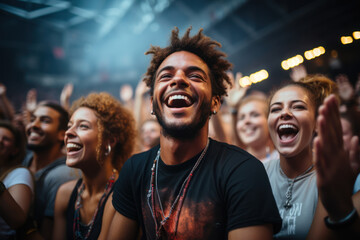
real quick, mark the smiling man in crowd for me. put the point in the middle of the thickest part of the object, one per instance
(45, 137)
(191, 187)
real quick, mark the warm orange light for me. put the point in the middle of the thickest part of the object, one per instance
(285, 65)
(244, 81)
(356, 35)
(346, 40)
(309, 55)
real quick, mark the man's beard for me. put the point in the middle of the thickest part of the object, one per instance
(38, 147)
(184, 131)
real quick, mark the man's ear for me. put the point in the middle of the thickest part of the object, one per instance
(215, 104)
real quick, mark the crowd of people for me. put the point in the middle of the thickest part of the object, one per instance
(173, 163)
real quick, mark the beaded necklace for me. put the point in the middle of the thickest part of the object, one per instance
(78, 205)
(289, 191)
(179, 198)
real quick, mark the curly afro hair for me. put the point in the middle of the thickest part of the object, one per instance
(200, 45)
(114, 121)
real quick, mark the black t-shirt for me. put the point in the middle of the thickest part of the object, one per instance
(229, 190)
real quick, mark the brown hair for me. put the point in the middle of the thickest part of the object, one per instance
(317, 86)
(252, 98)
(114, 121)
(19, 142)
(200, 45)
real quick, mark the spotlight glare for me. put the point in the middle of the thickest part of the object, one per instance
(346, 40)
(356, 35)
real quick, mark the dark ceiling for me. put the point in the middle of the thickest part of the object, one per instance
(99, 45)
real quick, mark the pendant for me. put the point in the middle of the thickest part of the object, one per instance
(287, 205)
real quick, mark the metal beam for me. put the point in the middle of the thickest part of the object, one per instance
(52, 7)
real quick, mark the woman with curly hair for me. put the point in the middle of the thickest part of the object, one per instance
(99, 139)
(292, 125)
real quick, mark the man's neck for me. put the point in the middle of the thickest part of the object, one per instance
(176, 151)
(43, 158)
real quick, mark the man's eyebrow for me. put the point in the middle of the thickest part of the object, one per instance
(195, 68)
(164, 69)
(190, 68)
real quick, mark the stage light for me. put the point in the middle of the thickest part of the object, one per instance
(356, 35)
(285, 65)
(244, 81)
(346, 40)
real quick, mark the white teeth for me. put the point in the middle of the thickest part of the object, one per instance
(287, 126)
(34, 134)
(73, 145)
(179, 97)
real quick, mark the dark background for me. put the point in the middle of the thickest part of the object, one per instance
(99, 45)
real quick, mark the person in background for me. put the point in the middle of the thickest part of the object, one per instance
(150, 134)
(252, 128)
(45, 138)
(100, 137)
(7, 111)
(292, 126)
(191, 187)
(16, 182)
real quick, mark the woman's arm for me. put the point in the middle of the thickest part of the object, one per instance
(15, 204)
(61, 205)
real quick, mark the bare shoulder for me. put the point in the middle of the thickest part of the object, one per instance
(64, 193)
(67, 187)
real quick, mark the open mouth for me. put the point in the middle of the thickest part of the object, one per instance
(73, 147)
(34, 134)
(287, 132)
(179, 101)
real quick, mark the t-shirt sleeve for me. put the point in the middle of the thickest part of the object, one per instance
(123, 196)
(249, 198)
(19, 176)
(53, 180)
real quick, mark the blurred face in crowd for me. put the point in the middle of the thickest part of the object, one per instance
(150, 133)
(291, 121)
(81, 138)
(43, 129)
(7, 145)
(251, 124)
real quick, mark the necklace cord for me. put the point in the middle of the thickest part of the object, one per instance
(181, 195)
(78, 205)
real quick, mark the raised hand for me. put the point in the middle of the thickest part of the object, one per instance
(298, 73)
(31, 100)
(346, 90)
(237, 92)
(2, 89)
(336, 168)
(65, 95)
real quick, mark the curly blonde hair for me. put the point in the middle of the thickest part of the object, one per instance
(114, 121)
(317, 86)
(200, 45)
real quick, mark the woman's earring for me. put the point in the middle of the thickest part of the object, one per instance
(108, 150)
(152, 112)
(214, 112)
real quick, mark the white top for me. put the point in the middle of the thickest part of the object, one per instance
(17, 176)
